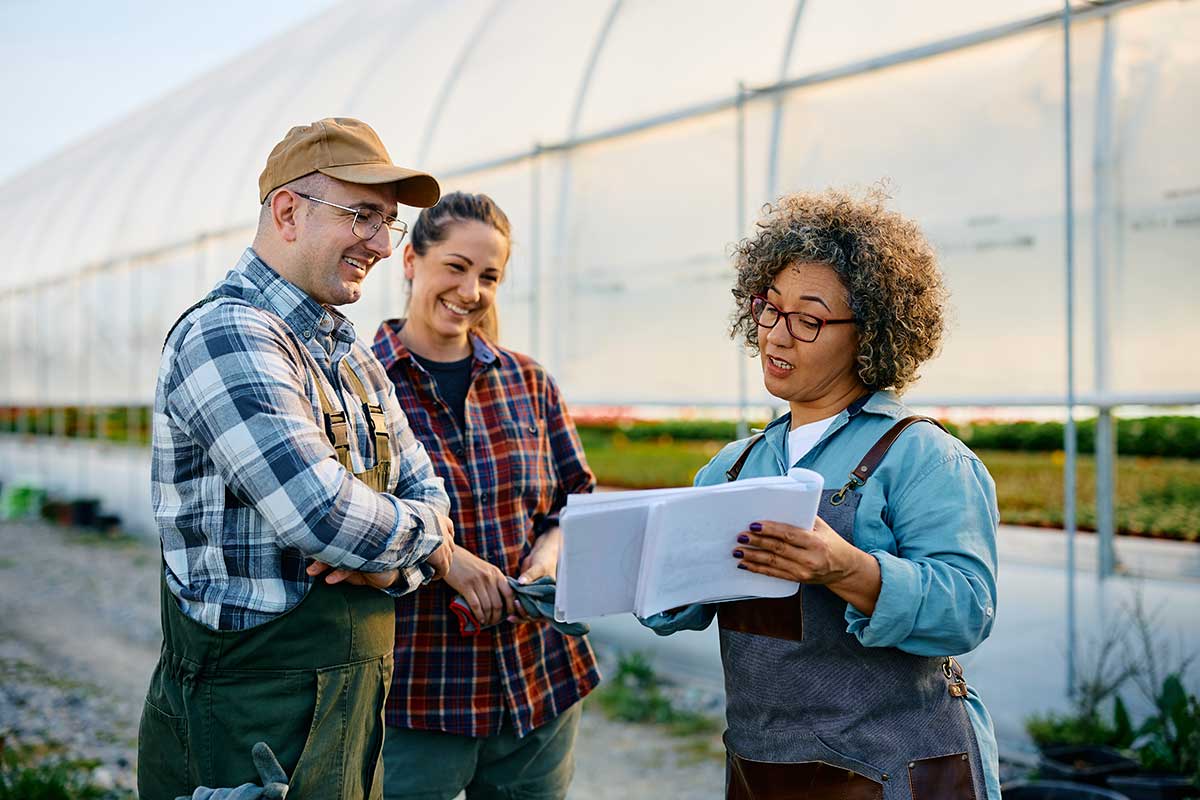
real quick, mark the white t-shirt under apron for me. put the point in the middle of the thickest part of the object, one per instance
(800, 440)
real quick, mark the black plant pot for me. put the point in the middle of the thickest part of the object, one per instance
(83, 513)
(1084, 763)
(108, 523)
(1056, 790)
(1155, 786)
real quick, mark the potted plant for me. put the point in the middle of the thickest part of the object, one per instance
(1167, 743)
(1081, 744)
(1168, 747)
(1056, 790)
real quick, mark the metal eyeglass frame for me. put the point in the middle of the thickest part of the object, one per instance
(756, 311)
(394, 225)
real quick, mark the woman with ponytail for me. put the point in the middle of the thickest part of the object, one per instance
(490, 706)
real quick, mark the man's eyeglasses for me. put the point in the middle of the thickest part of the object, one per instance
(367, 222)
(803, 327)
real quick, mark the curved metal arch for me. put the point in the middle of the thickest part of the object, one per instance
(151, 163)
(209, 95)
(369, 71)
(777, 104)
(562, 288)
(443, 96)
(271, 120)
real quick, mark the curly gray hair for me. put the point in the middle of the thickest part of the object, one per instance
(893, 284)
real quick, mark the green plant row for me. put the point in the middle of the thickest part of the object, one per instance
(1154, 496)
(109, 423)
(1172, 437)
(1168, 436)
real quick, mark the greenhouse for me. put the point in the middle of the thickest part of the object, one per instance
(631, 143)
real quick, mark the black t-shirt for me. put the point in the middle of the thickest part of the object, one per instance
(453, 379)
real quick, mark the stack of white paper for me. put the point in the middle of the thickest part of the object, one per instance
(648, 551)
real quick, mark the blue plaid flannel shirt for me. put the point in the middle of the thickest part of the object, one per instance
(245, 485)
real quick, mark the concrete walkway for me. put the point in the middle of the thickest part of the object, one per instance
(1021, 668)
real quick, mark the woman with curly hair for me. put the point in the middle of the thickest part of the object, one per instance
(849, 688)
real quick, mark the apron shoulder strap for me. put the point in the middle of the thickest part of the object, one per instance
(866, 467)
(733, 472)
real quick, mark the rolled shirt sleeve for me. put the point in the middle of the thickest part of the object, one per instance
(938, 592)
(238, 388)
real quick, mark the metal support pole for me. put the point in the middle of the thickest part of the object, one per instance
(132, 412)
(83, 398)
(743, 425)
(535, 253)
(1103, 226)
(1069, 429)
(777, 107)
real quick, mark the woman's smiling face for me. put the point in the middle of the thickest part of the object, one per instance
(807, 372)
(454, 283)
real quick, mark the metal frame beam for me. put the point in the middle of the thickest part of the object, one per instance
(717, 105)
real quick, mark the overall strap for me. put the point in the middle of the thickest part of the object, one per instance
(202, 302)
(335, 424)
(866, 467)
(376, 421)
(732, 473)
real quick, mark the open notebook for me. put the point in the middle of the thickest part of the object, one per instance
(648, 551)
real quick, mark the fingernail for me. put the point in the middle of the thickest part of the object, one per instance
(743, 538)
(756, 526)
(742, 565)
(738, 553)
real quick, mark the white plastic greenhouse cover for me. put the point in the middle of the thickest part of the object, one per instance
(620, 276)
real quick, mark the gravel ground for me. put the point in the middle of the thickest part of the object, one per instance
(79, 637)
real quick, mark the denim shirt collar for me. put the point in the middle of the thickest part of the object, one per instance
(882, 403)
(304, 315)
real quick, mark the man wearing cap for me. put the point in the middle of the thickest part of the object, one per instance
(289, 491)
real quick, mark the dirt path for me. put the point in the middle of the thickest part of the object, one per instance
(79, 637)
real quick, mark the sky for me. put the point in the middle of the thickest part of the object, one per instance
(70, 67)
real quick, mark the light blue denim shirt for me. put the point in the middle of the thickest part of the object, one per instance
(928, 515)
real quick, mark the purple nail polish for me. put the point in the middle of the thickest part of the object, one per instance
(756, 526)
(738, 554)
(742, 565)
(743, 538)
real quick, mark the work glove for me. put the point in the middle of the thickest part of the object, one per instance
(274, 781)
(536, 598)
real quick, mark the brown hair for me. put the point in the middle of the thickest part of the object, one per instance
(433, 224)
(893, 283)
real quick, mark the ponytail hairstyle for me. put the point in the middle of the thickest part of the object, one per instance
(433, 226)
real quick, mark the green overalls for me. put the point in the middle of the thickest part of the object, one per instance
(311, 683)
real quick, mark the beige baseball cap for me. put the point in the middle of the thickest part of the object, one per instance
(349, 150)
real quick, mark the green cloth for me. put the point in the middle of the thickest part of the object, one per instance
(433, 765)
(536, 598)
(310, 683)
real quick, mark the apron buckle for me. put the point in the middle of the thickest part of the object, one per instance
(954, 673)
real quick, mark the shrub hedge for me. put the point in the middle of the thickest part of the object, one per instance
(1172, 437)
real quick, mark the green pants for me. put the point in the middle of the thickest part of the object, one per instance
(431, 765)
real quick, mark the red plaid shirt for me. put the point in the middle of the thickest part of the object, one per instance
(508, 475)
